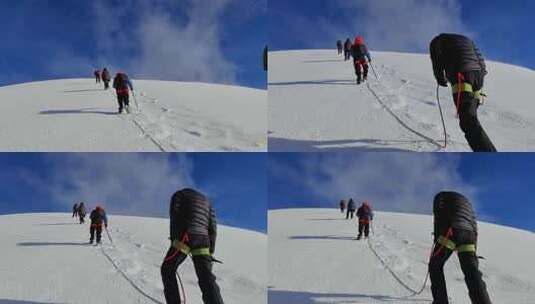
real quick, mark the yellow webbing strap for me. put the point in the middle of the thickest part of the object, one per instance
(187, 250)
(466, 87)
(466, 248)
(453, 247)
(446, 243)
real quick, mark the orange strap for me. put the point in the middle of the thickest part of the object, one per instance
(185, 239)
(448, 235)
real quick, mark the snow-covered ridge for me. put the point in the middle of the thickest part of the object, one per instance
(77, 115)
(314, 258)
(46, 258)
(315, 104)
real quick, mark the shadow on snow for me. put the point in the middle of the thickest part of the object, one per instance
(79, 91)
(31, 244)
(56, 224)
(8, 301)
(315, 82)
(276, 144)
(321, 237)
(77, 111)
(302, 297)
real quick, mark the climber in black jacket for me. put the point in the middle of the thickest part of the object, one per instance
(193, 230)
(456, 59)
(455, 229)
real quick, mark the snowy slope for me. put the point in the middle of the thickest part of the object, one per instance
(78, 115)
(46, 259)
(314, 258)
(315, 104)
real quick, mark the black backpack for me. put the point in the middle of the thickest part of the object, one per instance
(120, 81)
(359, 51)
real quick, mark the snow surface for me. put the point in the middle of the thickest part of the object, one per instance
(78, 115)
(314, 258)
(46, 258)
(315, 104)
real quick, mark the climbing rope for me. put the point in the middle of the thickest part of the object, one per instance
(125, 276)
(399, 120)
(394, 275)
(402, 122)
(132, 282)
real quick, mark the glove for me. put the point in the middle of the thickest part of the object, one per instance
(106, 225)
(442, 82)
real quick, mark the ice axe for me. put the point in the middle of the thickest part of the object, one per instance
(108, 233)
(135, 100)
(442, 118)
(373, 70)
(215, 260)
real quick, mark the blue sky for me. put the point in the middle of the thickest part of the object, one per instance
(211, 41)
(499, 185)
(502, 29)
(136, 183)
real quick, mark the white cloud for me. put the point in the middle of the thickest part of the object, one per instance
(402, 182)
(408, 25)
(75, 65)
(127, 183)
(394, 25)
(184, 48)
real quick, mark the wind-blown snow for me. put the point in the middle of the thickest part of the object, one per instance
(314, 258)
(46, 258)
(78, 115)
(315, 104)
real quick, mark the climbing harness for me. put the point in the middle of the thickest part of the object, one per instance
(445, 242)
(464, 87)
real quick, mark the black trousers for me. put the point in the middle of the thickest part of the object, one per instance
(347, 55)
(469, 266)
(364, 228)
(476, 137)
(122, 100)
(82, 218)
(74, 213)
(350, 213)
(203, 269)
(106, 84)
(98, 230)
(342, 209)
(361, 69)
(97, 79)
